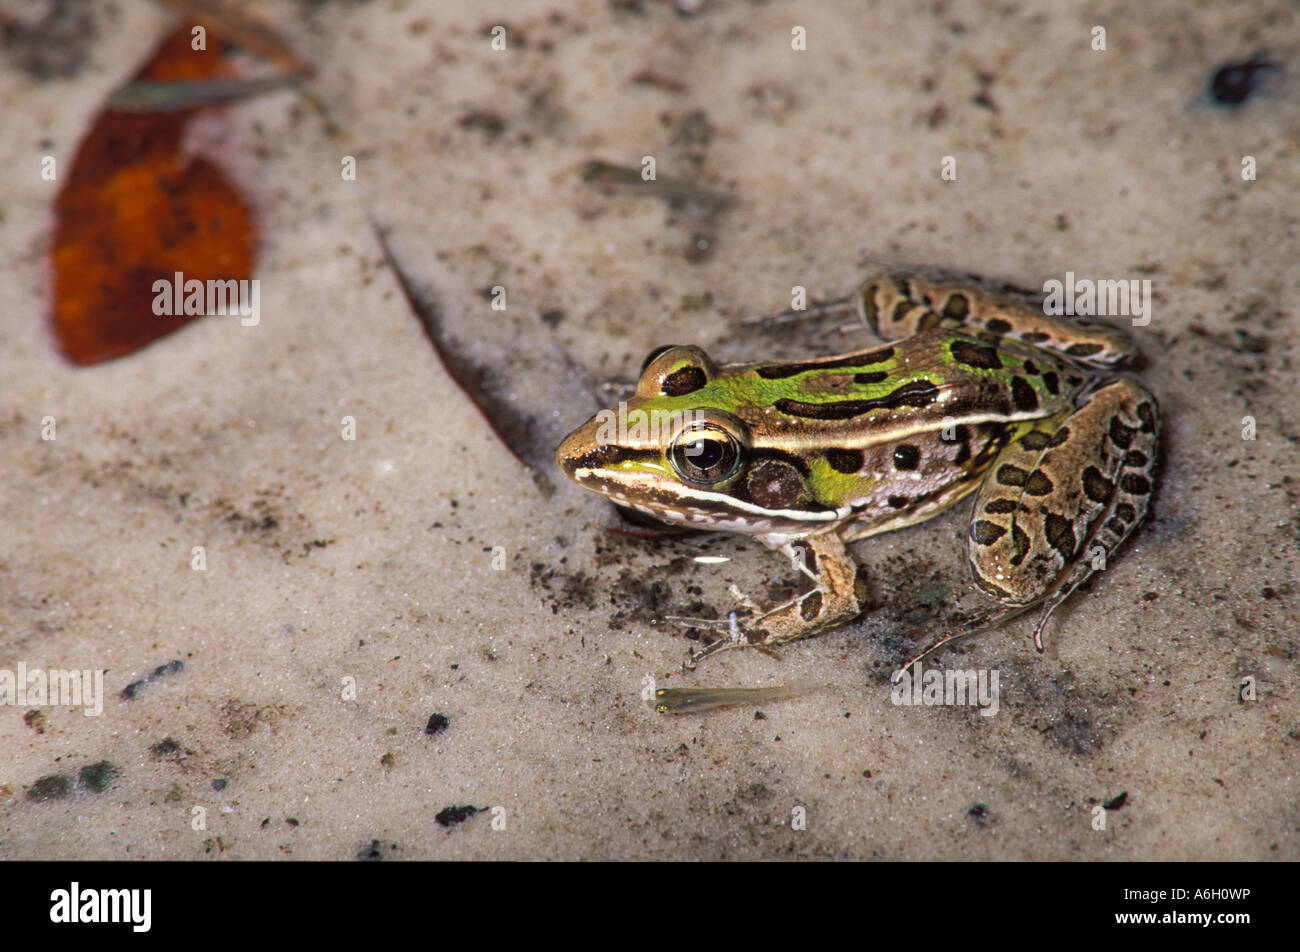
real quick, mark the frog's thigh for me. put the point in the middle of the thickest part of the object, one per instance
(1077, 480)
(900, 304)
(839, 597)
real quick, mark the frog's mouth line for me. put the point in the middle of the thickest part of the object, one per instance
(688, 505)
(633, 477)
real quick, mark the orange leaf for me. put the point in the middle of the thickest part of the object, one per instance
(133, 211)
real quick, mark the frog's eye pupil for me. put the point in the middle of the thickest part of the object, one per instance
(705, 453)
(705, 458)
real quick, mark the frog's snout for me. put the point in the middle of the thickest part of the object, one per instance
(564, 455)
(573, 449)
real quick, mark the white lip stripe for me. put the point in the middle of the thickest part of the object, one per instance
(794, 515)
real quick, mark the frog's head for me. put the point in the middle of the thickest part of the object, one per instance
(680, 451)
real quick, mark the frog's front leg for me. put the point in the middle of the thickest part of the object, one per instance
(839, 596)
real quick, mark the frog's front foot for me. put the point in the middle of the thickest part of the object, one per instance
(734, 635)
(837, 597)
(713, 647)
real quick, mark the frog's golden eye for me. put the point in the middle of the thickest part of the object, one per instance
(675, 372)
(704, 455)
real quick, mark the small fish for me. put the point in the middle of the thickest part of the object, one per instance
(688, 700)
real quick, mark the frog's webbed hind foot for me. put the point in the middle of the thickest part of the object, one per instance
(993, 619)
(982, 622)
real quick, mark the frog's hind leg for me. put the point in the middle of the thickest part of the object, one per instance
(1061, 498)
(896, 304)
(983, 621)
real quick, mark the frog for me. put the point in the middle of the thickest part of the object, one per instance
(973, 390)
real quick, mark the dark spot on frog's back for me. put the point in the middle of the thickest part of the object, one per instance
(875, 376)
(985, 532)
(683, 381)
(917, 393)
(781, 371)
(1023, 395)
(1035, 440)
(906, 456)
(974, 355)
(914, 393)
(845, 461)
(53, 787)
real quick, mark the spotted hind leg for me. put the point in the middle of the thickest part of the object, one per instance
(896, 304)
(1062, 497)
